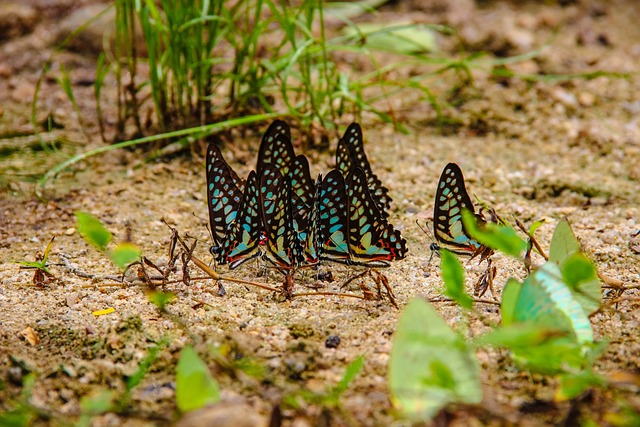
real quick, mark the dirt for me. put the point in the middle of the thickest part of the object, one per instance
(530, 149)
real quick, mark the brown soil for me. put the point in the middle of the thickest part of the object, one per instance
(532, 150)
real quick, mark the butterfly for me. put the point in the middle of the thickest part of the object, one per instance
(282, 245)
(351, 229)
(372, 239)
(246, 234)
(451, 199)
(350, 154)
(223, 195)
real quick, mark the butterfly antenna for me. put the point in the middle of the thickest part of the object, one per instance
(435, 248)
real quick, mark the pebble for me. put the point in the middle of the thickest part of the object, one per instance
(332, 341)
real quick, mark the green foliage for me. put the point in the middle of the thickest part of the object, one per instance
(431, 365)
(96, 234)
(403, 39)
(330, 398)
(544, 299)
(573, 384)
(563, 243)
(93, 231)
(495, 236)
(95, 405)
(161, 299)
(195, 387)
(579, 273)
(453, 278)
(42, 264)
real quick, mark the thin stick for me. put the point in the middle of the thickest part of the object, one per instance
(327, 293)
(213, 274)
(533, 239)
(482, 301)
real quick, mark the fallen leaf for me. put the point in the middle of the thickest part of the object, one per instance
(30, 335)
(103, 312)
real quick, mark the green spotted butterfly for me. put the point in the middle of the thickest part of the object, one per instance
(451, 199)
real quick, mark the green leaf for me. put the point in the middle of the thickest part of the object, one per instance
(92, 230)
(145, 364)
(161, 299)
(495, 236)
(510, 295)
(97, 404)
(350, 373)
(520, 335)
(195, 387)
(398, 38)
(430, 365)
(453, 277)
(573, 384)
(535, 227)
(581, 276)
(19, 417)
(124, 254)
(545, 299)
(563, 243)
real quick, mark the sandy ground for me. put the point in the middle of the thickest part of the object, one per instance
(531, 150)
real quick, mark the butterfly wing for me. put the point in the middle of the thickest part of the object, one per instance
(350, 154)
(372, 240)
(451, 199)
(213, 154)
(244, 235)
(301, 182)
(332, 234)
(282, 245)
(276, 148)
(223, 195)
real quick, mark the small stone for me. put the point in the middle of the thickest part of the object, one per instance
(332, 341)
(70, 231)
(586, 99)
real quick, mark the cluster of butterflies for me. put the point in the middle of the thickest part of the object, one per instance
(281, 214)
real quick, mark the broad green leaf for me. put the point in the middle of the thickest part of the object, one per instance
(550, 357)
(563, 243)
(195, 387)
(510, 294)
(581, 276)
(573, 384)
(92, 230)
(160, 299)
(546, 300)
(124, 254)
(430, 365)
(399, 38)
(499, 237)
(453, 277)
(519, 335)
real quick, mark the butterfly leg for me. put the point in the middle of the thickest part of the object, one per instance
(485, 281)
